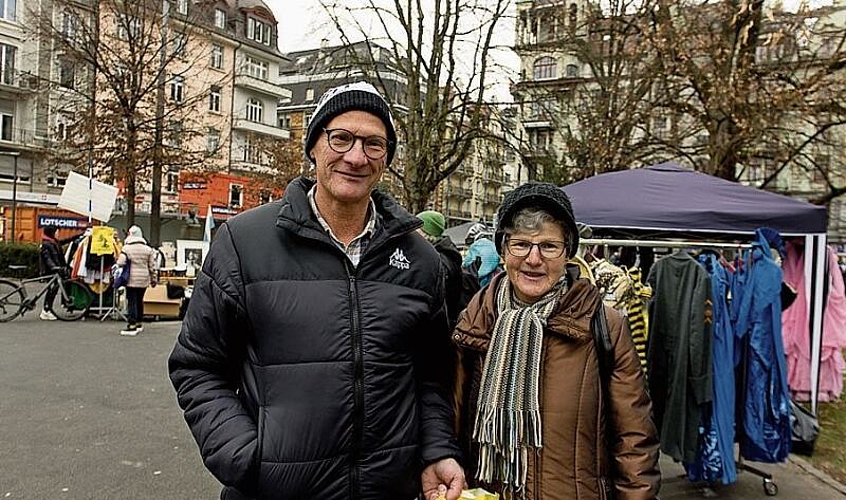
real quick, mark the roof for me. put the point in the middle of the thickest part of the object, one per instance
(668, 197)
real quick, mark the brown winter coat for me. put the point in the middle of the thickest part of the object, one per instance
(570, 466)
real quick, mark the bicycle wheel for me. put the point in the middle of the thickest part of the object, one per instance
(72, 301)
(11, 300)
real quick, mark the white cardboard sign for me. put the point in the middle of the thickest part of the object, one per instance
(78, 192)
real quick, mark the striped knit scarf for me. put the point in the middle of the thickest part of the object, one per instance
(508, 417)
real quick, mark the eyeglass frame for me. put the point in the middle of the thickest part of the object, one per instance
(532, 245)
(352, 144)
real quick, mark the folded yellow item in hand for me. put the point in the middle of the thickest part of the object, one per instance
(478, 494)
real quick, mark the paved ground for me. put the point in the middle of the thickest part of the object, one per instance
(87, 414)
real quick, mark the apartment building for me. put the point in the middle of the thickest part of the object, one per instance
(220, 91)
(24, 122)
(555, 81)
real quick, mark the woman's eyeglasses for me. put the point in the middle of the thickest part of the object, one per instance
(548, 249)
(341, 141)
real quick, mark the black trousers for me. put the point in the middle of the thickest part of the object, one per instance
(52, 290)
(135, 304)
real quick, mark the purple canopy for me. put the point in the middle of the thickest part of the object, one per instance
(668, 197)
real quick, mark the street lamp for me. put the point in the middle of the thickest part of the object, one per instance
(14, 154)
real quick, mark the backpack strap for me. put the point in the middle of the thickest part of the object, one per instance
(605, 360)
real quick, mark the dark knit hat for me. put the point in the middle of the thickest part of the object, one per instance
(359, 96)
(541, 195)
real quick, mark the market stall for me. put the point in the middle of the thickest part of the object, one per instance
(668, 202)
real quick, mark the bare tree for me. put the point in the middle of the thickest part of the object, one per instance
(751, 85)
(130, 86)
(443, 49)
(590, 88)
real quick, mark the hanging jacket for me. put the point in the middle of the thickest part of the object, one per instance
(303, 377)
(715, 456)
(484, 249)
(572, 464)
(766, 410)
(679, 351)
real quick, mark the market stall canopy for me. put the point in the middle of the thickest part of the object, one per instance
(668, 197)
(458, 233)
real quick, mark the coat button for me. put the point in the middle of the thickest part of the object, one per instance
(456, 336)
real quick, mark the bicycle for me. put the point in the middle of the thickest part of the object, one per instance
(71, 302)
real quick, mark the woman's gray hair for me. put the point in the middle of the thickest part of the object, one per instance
(531, 219)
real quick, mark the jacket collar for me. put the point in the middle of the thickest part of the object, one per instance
(571, 318)
(296, 215)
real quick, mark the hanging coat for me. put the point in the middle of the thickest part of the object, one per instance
(715, 457)
(679, 351)
(766, 411)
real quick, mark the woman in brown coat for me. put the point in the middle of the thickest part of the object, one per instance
(531, 410)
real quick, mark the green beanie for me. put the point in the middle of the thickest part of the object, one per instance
(433, 222)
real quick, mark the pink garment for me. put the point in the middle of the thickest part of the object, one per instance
(796, 331)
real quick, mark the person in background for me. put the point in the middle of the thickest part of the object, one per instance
(314, 357)
(481, 253)
(51, 260)
(143, 273)
(537, 416)
(433, 228)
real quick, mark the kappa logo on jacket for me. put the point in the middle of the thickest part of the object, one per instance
(398, 260)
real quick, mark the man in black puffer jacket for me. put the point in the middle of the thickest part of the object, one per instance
(314, 355)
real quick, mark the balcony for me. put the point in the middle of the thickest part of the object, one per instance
(245, 80)
(22, 138)
(260, 128)
(16, 82)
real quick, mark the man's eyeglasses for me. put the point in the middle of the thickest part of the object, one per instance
(548, 249)
(341, 141)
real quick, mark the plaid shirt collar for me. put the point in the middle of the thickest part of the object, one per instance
(357, 246)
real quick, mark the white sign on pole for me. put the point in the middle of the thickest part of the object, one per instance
(88, 197)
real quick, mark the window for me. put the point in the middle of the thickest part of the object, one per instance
(306, 119)
(236, 195)
(285, 121)
(545, 68)
(265, 196)
(175, 133)
(219, 18)
(660, 126)
(182, 6)
(257, 68)
(214, 99)
(217, 56)
(63, 131)
(6, 123)
(7, 63)
(255, 110)
(573, 15)
(258, 31)
(127, 26)
(212, 141)
(67, 73)
(57, 179)
(572, 71)
(251, 151)
(171, 182)
(178, 44)
(7, 9)
(70, 25)
(177, 88)
(309, 94)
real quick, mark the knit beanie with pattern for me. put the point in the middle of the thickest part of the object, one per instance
(543, 195)
(358, 96)
(433, 222)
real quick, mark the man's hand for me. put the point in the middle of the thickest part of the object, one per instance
(443, 477)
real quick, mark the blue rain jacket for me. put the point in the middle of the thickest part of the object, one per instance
(766, 412)
(485, 249)
(715, 456)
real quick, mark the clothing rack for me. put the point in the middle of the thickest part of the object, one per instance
(611, 242)
(768, 484)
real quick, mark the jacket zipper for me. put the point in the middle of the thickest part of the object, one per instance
(539, 451)
(358, 385)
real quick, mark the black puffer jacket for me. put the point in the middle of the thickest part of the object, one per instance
(303, 377)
